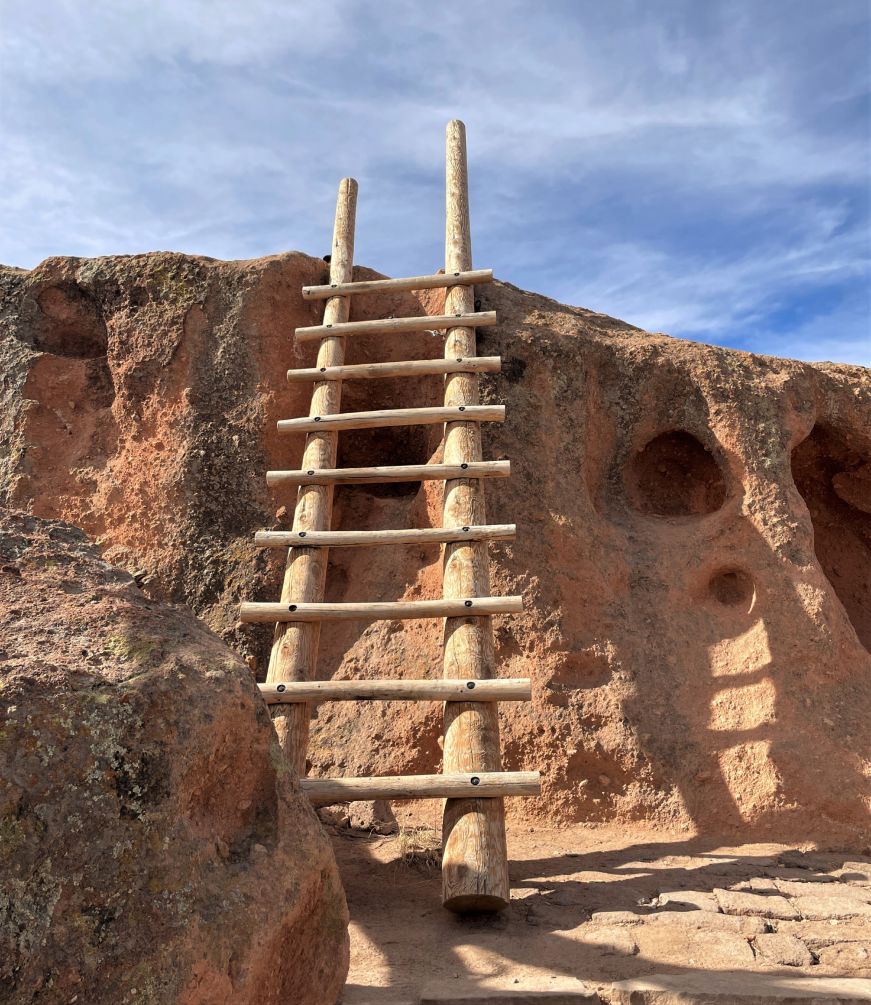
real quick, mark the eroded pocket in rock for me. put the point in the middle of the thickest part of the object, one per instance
(675, 474)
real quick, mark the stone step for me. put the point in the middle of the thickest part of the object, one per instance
(702, 988)
(561, 991)
(737, 989)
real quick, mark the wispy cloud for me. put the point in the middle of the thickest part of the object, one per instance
(696, 168)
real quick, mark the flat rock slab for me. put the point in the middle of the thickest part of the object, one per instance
(854, 957)
(711, 921)
(756, 905)
(737, 989)
(783, 949)
(826, 906)
(684, 900)
(842, 890)
(561, 992)
(699, 948)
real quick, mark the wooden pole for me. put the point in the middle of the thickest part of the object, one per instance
(295, 646)
(475, 857)
(393, 417)
(489, 784)
(504, 689)
(372, 538)
(394, 285)
(391, 610)
(397, 326)
(402, 368)
(390, 473)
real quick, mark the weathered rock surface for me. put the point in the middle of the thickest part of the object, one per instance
(694, 528)
(152, 845)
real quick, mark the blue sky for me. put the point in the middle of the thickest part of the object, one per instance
(699, 167)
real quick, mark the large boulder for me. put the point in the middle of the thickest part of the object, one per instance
(153, 847)
(694, 528)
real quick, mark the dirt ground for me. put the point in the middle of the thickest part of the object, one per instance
(593, 907)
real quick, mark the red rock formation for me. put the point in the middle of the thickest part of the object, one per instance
(694, 528)
(150, 836)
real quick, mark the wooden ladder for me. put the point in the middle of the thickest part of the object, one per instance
(475, 862)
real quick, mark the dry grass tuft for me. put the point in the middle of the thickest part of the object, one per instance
(419, 847)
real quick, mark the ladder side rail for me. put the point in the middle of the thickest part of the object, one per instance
(475, 857)
(295, 644)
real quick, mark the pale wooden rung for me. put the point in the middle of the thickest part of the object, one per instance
(471, 278)
(390, 473)
(478, 319)
(480, 785)
(514, 689)
(402, 368)
(372, 538)
(395, 610)
(393, 417)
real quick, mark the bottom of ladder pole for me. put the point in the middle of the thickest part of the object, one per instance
(475, 857)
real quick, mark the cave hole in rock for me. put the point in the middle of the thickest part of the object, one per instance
(70, 323)
(361, 448)
(733, 588)
(832, 471)
(674, 474)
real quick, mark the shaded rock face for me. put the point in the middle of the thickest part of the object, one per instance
(152, 845)
(693, 528)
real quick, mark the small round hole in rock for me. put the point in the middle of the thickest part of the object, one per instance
(733, 588)
(675, 475)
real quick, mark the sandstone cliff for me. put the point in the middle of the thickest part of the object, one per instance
(152, 845)
(694, 527)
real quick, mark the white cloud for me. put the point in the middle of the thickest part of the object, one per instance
(688, 167)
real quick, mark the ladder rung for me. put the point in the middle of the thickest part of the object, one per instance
(482, 784)
(264, 613)
(371, 538)
(394, 417)
(470, 278)
(519, 689)
(394, 473)
(403, 368)
(391, 325)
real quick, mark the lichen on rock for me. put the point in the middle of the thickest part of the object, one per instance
(153, 847)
